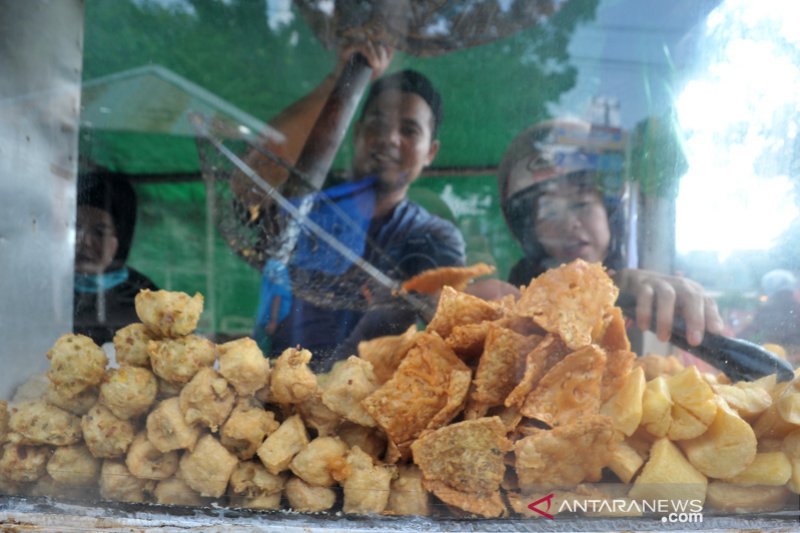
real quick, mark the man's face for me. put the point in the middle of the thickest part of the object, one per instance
(393, 140)
(95, 240)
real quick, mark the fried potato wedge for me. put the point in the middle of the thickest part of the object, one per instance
(731, 498)
(769, 468)
(668, 475)
(693, 404)
(625, 407)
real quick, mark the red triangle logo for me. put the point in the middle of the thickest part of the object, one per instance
(544, 513)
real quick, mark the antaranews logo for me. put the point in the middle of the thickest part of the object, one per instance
(672, 511)
(534, 506)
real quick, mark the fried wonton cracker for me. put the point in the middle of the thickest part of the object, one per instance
(457, 308)
(419, 391)
(433, 280)
(569, 300)
(570, 390)
(610, 332)
(542, 358)
(487, 505)
(385, 353)
(501, 365)
(619, 363)
(467, 340)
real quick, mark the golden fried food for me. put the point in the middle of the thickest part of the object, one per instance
(612, 335)
(693, 404)
(367, 487)
(744, 398)
(317, 416)
(175, 491)
(278, 450)
(246, 428)
(313, 463)
(76, 363)
(768, 468)
(208, 467)
(732, 498)
(262, 501)
(501, 365)
(668, 475)
(145, 461)
(207, 399)
(38, 422)
(73, 466)
(625, 461)
(243, 365)
(130, 345)
(549, 351)
(117, 483)
(419, 390)
(77, 405)
(433, 280)
(23, 463)
(408, 496)
(178, 360)
(467, 340)
(167, 429)
(569, 300)
(487, 505)
(659, 365)
(625, 406)
(291, 380)
(566, 455)
(167, 389)
(305, 498)
(128, 391)
(105, 435)
(168, 313)
(348, 383)
(250, 479)
(370, 440)
(456, 309)
(570, 390)
(385, 353)
(619, 364)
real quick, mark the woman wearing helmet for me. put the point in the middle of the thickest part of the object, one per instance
(563, 198)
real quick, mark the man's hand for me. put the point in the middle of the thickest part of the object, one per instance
(378, 55)
(669, 295)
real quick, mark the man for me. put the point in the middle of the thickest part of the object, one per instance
(394, 140)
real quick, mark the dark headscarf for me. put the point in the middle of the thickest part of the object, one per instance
(111, 193)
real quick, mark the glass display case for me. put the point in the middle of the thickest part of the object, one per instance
(365, 264)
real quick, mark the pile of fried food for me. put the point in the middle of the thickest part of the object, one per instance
(493, 405)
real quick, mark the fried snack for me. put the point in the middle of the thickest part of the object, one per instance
(208, 467)
(117, 483)
(73, 466)
(538, 362)
(38, 422)
(788, 403)
(178, 360)
(693, 404)
(305, 498)
(744, 398)
(467, 340)
(668, 475)
(250, 479)
(348, 383)
(419, 391)
(408, 496)
(313, 463)
(168, 313)
(269, 502)
(145, 461)
(769, 468)
(243, 365)
(385, 353)
(569, 300)
(292, 381)
(619, 364)
(486, 505)
(167, 389)
(317, 416)
(625, 461)
(366, 489)
(456, 309)
(501, 365)
(77, 405)
(130, 345)
(23, 463)
(128, 391)
(106, 435)
(207, 399)
(76, 364)
(770, 424)
(625, 407)
(246, 428)
(659, 365)
(167, 429)
(278, 450)
(566, 455)
(432, 281)
(730, 498)
(656, 407)
(370, 440)
(175, 491)
(48, 487)
(726, 448)
(611, 334)
(570, 390)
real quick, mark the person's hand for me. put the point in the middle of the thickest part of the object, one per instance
(378, 55)
(668, 295)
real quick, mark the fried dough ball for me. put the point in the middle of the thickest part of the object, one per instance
(167, 389)
(76, 404)
(207, 399)
(23, 463)
(169, 313)
(246, 428)
(291, 380)
(146, 462)
(349, 383)
(283, 444)
(307, 498)
(366, 489)
(130, 345)
(167, 429)
(313, 463)
(106, 435)
(175, 491)
(128, 391)
(250, 479)
(178, 360)
(243, 365)
(316, 415)
(49, 487)
(76, 363)
(408, 496)
(118, 484)
(370, 440)
(38, 422)
(263, 501)
(73, 466)
(208, 467)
